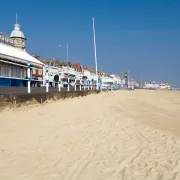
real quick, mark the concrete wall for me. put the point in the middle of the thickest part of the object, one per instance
(13, 101)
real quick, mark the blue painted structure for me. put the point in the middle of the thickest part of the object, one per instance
(99, 82)
(12, 82)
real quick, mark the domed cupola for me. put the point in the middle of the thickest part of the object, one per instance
(18, 36)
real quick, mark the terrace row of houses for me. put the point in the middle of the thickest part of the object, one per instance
(14, 61)
(74, 72)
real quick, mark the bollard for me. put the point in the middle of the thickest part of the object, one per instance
(59, 84)
(101, 84)
(88, 84)
(75, 85)
(14, 100)
(68, 82)
(91, 85)
(47, 79)
(29, 78)
(84, 87)
(80, 84)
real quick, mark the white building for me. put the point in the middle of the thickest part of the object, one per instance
(89, 75)
(14, 59)
(66, 72)
(154, 85)
(163, 86)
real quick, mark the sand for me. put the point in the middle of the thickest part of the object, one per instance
(120, 135)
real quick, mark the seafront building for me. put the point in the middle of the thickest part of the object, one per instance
(156, 86)
(14, 63)
(14, 59)
(75, 72)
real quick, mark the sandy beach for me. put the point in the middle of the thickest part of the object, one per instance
(122, 135)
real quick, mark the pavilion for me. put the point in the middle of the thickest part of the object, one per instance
(14, 59)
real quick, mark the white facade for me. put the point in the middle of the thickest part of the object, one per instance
(117, 79)
(89, 75)
(160, 86)
(17, 55)
(151, 86)
(64, 74)
(107, 80)
(164, 86)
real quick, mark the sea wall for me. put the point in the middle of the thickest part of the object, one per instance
(14, 101)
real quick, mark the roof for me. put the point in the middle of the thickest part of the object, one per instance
(18, 55)
(16, 32)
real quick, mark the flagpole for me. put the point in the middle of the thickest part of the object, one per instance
(67, 54)
(95, 54)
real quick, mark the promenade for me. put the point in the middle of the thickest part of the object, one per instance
(34, 90)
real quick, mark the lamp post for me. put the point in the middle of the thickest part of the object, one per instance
(100, 65)
(67, 53)
(59, 83)
(101, 82)
(95, 56)
(47, 79)
(128, 79)
(80, 84)
(91, 84)
(29, 77)
(75, 84)
(68, 81)
(88, 83)
(68, 78)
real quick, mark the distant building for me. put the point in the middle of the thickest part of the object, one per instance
(67, 69)
(156, 86)
(163, 86)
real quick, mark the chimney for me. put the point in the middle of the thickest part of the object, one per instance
(37, 57)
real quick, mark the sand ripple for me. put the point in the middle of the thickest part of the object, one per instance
(111, 136)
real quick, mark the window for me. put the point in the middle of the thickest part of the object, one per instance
(40, 72)
(0, 68)
(34, 71)
(4, 69)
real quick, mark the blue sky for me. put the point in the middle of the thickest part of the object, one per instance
(140, 36)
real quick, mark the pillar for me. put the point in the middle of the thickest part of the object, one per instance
(47, 79)
(84, 85)
(91, 84)
(75, 85)
(80, 84)
(29, 78)
(59, 83)
(68, 82)
(88, 84)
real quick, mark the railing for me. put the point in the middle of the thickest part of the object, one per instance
(39, 86)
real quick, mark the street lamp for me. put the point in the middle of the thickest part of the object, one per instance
(68, 78)
(67, 49)
(100, 65)
(59, 45)
(67, 52)
(60, 73)
(95, 54)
